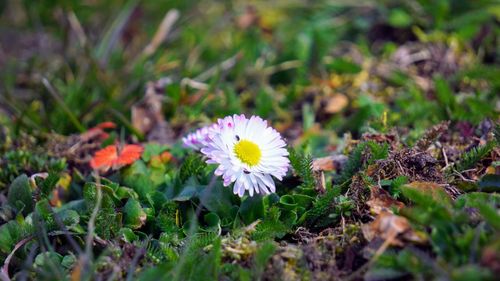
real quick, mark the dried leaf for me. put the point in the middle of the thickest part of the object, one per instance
(432, 135)
(381, 201)
(329, 163)
(147, 114)
(249, 18)
(394, 229)
(336, 103)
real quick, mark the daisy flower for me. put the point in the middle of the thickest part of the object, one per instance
(248, 153)
(200, 137)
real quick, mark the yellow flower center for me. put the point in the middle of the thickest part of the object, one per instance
(248, 152)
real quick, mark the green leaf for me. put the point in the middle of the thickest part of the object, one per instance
(128, 235)
(490, 183)
(343, 66)
(20, 196)
(288, 202)
(212, 219)
(69, 218)
(218, 199)
(426, 197)
(399, 18)
(90, 196)
(486, 205)
(271, 227)
(252, 209)
(354, 163)
(48, 259)
(141, 184)
(288, 218)
(469, 159)
(8, 237)
(49, 184)
(444, 94)
(68, 261)
(188, 191)
(134, 215)
(303, 201)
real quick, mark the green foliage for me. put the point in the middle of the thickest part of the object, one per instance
(48, 184)
(442, 219)
(16, 162)
(489, 183)
(49, 219)
(453, 236)
(445, 96)
(354, 163)
(20, 195)
(377, 151)
(302, 165)
(11, 233)
(220, 200)
(261, 258)
(108, 222)
(369, 151)
(167, 220)
(193, 166)
(133, 214)
(323, 210)
(470, 158)
(252, 209)
(271, 226)
(396, 184)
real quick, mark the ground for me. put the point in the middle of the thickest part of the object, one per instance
(390, 113)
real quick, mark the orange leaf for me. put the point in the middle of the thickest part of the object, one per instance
(106, 125)
(129, 154)
(104, 158)
(166, 157)
(110, 157)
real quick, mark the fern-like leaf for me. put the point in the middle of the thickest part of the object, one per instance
(302, 165)
(318, 215)
(377, 151)
(469, 159)
(270, 227)
(354, 163)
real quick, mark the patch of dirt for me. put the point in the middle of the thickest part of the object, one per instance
(77, 149)
(334, 252)
(415, 164)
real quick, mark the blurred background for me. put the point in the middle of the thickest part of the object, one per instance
(320, 71)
